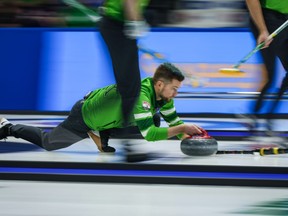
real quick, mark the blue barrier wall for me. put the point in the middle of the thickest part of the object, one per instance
(48, 69)
(20, 51)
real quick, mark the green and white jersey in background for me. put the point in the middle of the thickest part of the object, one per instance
(115, 9)
(102, 110)
(277, 5)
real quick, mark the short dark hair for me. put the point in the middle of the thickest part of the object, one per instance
(168, 72)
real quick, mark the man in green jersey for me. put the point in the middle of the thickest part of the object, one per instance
(266, 17)
(100, 110)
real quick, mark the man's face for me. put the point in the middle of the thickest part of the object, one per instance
(168, 91)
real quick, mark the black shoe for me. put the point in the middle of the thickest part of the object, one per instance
(136, 157)
(4, 128)
(108, 149)
(132, 155)
(102, 147)
(141, 157)
(104, 137)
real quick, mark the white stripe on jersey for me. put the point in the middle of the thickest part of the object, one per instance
(142, 115)
(168, 112)
(174, 121)
(144, 133)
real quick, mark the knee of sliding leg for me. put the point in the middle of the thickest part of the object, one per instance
(48, 146)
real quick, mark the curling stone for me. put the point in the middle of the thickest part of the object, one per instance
(199, 145)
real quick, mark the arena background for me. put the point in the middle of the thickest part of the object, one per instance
(52, 55)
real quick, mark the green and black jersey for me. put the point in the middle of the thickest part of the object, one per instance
(102, 110)
(280, 6)
(115, 10)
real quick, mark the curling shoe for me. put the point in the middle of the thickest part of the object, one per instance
(108, 149)
(134, 155)
(4, 128)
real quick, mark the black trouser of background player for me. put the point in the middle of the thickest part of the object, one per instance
(124, 55)
(278, 48)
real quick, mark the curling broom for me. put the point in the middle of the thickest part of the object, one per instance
(160, 58)
(261, 151)
(235, 68)
(93, 16)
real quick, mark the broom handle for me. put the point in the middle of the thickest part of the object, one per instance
(261, 151)
(259, 46)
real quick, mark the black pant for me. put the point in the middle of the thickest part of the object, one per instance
(70, 131)
(124, 55)
(278, 48)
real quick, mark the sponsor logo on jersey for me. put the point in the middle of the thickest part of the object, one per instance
(146, 105)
